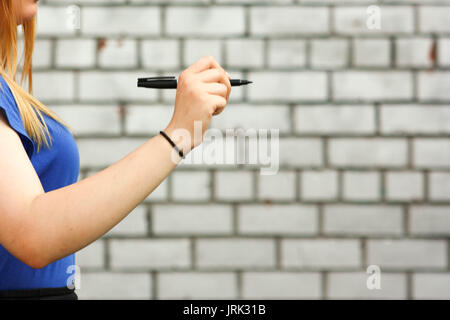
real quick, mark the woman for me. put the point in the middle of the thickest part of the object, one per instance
(45, 215)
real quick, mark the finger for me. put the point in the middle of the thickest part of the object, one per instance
(226, 79)
(216, 88)
(211, 75)
(217, 102)
(216, 75)
(218, 111)
(204, 63)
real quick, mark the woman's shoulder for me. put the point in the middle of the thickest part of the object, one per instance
(7, 101)
(8, 107)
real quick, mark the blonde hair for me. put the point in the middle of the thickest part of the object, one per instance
(30, 108)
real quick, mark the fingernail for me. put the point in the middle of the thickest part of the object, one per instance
(228, 74)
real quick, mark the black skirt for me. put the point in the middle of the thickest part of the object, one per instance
(62, 293)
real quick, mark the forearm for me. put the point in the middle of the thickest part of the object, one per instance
(65, 220)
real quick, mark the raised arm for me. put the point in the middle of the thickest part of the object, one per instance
(39, 228)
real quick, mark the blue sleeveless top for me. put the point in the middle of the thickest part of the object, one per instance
(56, 167)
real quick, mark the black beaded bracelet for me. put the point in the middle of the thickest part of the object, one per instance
(172, 144)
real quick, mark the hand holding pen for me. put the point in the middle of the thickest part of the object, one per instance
(170, 82)
(203, 91)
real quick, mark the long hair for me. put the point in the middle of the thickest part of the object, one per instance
(30, 108)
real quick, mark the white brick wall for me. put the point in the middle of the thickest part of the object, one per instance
(112, 285)
(368, 152)
(361, 185)
(352, 285)
(371, 52)
(363, 220)
(329, 53)
(429, 220)
(235, 253)
(372, 86)
(408, 254)
(395, 19)
(324, 254)
(334, 119)
(431, 286)
(278, 285)
(277, 219)
(197, 285)
(364, 150)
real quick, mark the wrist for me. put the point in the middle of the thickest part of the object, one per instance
(178, 136)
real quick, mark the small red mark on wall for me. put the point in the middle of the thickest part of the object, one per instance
(101, 43)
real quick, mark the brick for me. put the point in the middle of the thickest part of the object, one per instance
(91, 256)
(310, 149)
(277, 219)
(433, 86)
(194, 49)
(76, 53)
(439, 185)
(434, 19)
(429, 220)
(191, 186)
(288, 86)
(323, 254)
(318, 185)
(90, 119)
(286, 53)
(197, 285)
(221, 153)
(361, 186)
(244, 116)
(53, 21)
(233, 185)
(288, 20)
(225, 21)
(415, 119)
(407, 254)
(361, 152)
(281, 285)
(104, 152)
(328, 119)
(329, 53)
(443, 51)
(147, 119)
(394, 19)
(113, 285)
(192, 219)
(371, 52)
(280, 186)
(235, 253)
(414, 52)
(373, 85)
(53, 85)
(363, 220)
(404, 186)
(253, 57)
(431, 286)
(134, 224)
(353, 285)
(150, 254)
(127, 21)
(120, 53)
(160, 54)
(429, 153)
(113, 86)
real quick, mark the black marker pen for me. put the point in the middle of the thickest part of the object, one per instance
(170, 82)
